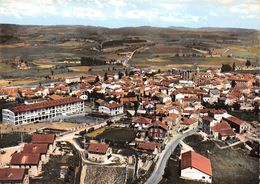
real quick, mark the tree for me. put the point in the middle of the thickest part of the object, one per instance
(233, 83)
(226, 68)
(105, 77)
(248, 63)
(97, 79)
(120, 75)
(234, 66)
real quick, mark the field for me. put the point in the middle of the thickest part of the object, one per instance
(96, 132)
(4, 128)
(6, 67)
(79, 68)
(46, 47)
(121, 135)
(230, 166)
(168, 61)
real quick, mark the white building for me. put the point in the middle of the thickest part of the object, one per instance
(72, 79)
(111, 109)
(196, 167)
(98, 152)
(48, 110)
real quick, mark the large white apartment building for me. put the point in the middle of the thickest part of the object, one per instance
(44, 111)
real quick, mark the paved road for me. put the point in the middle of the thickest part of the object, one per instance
(158, 172)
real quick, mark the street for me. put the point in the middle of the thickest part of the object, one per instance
(158, 171)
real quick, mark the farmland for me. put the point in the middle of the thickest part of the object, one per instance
(54, 52)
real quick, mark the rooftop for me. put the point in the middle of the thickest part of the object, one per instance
(97, 148)
(43, 139)
(45, 104)
(10, 174)
(197, 161)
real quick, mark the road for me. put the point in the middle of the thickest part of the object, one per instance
(158, 171)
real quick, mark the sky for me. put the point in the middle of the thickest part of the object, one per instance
(125, 13)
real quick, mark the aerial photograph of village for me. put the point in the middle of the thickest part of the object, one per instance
(129, 91)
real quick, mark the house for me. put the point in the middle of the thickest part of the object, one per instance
(33, 101)
(41, 149)
(189, 122)
(13, 176)
(29, 161)
(196, 167)
(47, 110)
(206, 122)
(239, 125)
(222, 131)
(72, 79)
(214, 95)
(141, 122)
(48, 139)
(150, 147)
(98, 152)
(111, 109)
(217, 114)
(157, 130)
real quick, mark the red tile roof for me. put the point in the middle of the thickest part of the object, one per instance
(187, 122)
(9, 174)
(35, 148)
(97, 148)
(218, 111)
(113, 105)
(223, 128)
(141, 120)
(235, 120)
(197, 161)
(45, 104)
(149, 146)
(43, 138)
(159, 124)
(207, 118)
(25, 159)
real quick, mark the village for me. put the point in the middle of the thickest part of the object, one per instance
(129, 122)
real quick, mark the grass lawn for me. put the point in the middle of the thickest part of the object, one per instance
(117, 134)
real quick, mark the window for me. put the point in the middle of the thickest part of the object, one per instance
(203, 177)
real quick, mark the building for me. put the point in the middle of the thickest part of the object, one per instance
(214, 95)
(44, 111)
(239, 125)
(111, 109)
(157, 130)
(98, 152)
(222, 131)
(141, 122)
(196, 167)
(150, 147)
(13, 176)
(29, 161)
(48, 139)
(41, 149)
(72, 79)
(206, 122)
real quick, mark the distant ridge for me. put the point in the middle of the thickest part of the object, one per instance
(141, 27)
